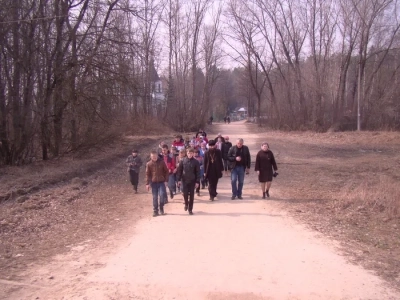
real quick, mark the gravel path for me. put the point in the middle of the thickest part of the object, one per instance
(242, 249)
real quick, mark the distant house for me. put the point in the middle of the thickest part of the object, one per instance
(242, 112)
(238, 114)
(157, 92)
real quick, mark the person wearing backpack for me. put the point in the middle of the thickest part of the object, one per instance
(188, 176)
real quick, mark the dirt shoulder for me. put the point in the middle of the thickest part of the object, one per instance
(345, 185)
(49, 207)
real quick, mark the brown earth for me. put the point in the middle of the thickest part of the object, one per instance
(73, 229)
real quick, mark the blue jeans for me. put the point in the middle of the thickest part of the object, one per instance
(159, 192)
(237, 179)
(171, 187)
(172, 183)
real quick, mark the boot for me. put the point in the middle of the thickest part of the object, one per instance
(263, 195)
(171, 194)
(267, 193)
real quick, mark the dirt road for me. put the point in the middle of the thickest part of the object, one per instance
(242, 249)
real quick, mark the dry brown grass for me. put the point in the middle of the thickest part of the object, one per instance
(346, 186)
(380, 194)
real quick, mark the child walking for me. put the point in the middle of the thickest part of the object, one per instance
(189, 174)
(200, 160)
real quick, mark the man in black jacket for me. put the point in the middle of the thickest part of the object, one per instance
(189, 173)
(239, 163)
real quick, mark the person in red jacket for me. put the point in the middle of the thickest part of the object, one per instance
(169, 160)
(178, 142)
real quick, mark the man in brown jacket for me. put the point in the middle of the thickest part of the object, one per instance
(157, 177)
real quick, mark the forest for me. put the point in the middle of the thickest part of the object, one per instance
(76, 73)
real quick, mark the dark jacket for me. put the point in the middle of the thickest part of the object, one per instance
(156, 171)
(188, 170)
(246, 158)
(266, 164)
(219, 165)
(134, 163)
(222, 139)
(225, 149)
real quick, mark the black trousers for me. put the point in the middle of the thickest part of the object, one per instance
(134, 177)
(188, 193)
(212, 186)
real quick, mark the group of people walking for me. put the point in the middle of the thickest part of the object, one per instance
(199, 162)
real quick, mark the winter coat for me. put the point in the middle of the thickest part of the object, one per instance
(225, 149)
(156, 171)
(169, 160)
(134, 163)
(219, 166)
(246, 158)
(188, 170)
(266, 164)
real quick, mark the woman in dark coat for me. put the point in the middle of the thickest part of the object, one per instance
(266, 168)
(213, 168)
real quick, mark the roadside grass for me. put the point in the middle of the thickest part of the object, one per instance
(345, 185)
(382, 195)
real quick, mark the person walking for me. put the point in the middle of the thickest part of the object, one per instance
(169, 160)
(239, 164)
(213, 168)
(157, 178)
(188, 175)
(134, 162)
(200, 159)
(225, 149)
(266, 168)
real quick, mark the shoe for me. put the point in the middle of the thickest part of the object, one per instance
(190, 213)
(136, 191)
(198, 194)
(186, 207)
(172, 195)
(267, 192)
(233, 197)
(162, 211)
(203, 187)
(155, 214)
(240, 197)
(212, 198)
(263, 196)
